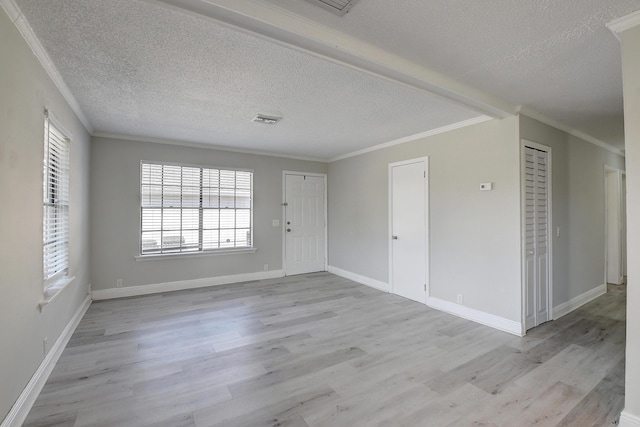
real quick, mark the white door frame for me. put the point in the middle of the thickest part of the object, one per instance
(283, 221)
(550, 233)
(619, 173)
(425, 160)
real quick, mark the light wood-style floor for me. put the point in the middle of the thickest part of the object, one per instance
(319, 350)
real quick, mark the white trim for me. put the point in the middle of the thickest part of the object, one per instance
(284, 216)
(577, 302)
(629, 420)
(425, 161)
(27, 398)
(415, 137)
(198, 254)
(477, 316)
(363, 280)
(16, 16)
(54, 290)
(550, 226)
(571, 131)
(192, 144)
(58, 124)
(155, 288)
(618, 26)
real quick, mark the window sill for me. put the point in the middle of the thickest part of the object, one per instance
(195, 254)
(54, 290)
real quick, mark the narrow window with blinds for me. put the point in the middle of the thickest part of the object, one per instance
(190, 209)
(56, 202)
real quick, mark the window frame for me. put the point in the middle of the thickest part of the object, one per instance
(164, 253)
(56, 198)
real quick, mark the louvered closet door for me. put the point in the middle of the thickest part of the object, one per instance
(536, 176)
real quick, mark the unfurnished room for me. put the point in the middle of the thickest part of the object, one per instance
(319, 213)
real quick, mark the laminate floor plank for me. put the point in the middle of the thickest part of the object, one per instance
(319, 350)
(549, 408)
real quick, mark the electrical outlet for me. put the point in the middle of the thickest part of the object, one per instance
(119, 283)
(459, 299)
(266, 267)
(44, 345)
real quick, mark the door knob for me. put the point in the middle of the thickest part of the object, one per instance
(394, 237)
(288, 230)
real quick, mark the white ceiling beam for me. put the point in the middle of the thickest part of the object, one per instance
(620, 25)
(286, 28)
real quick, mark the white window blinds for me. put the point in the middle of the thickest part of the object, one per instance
(188, 209)
(56, 202)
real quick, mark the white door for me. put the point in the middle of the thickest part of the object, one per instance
(614, 226)
(536, 175)
(408, 224)
(623, 216)
(304, 223)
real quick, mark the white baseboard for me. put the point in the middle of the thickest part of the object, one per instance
(446, 306)
(477, 316)
(27, 398)
(364, 280)
(577, 302)
(628, 420)
(131, 291)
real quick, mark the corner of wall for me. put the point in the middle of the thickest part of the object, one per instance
(27, 398)
(358, 278)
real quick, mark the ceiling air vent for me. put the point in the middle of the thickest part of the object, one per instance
(339, 7)
(267, 120)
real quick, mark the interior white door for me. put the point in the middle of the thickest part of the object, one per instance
(409, 229)
(623, 217)
(615, 205)
(614, 229)
(536, 175)
(304, 224)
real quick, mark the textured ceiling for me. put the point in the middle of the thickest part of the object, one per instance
(143, 69)
(555, 57)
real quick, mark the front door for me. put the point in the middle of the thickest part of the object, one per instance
(304, 223)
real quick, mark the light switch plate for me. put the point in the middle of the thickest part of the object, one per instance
(276, 223)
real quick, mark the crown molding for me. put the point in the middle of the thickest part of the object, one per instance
(571, 131)
(18, 19)
(414, 137)
(620, 25)
(204, 145)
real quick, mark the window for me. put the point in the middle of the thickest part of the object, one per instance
(56, 202)
(187, 209)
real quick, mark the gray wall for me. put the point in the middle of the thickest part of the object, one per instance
(578, 208)
(631, 78)
(115, 213)
(474, 235)
(25, 90)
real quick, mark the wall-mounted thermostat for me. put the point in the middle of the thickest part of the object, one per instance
(486, 186)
